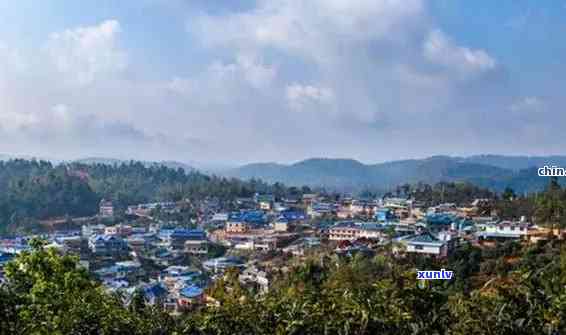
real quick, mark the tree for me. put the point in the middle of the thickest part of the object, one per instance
(508, 194)
(56, 296)
(551, 206)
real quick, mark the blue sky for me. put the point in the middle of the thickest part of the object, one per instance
(243, 81)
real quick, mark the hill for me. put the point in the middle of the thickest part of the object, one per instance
(113, 161)
(492, 171)
(517, 162)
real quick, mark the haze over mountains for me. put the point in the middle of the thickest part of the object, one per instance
(493, 171)
(187, 166)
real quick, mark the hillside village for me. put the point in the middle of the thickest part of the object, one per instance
(175, 264)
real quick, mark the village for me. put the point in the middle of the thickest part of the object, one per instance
(173, 264)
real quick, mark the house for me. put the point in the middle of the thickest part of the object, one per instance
(363, 207)
(219, 217)
(384, 215)
(223, 263)
(196, 246)
(481, 202)
(178, 237)
(88, 230)
(343, 231)
(237, 227)
(138, 242)
(440, 221)
(154, 293)
(291, 200)
(253, 217)
(347, 248)
(309, 198)
(319, 209)
(281, 224)
(106, 208)
(301, 245)
(129, 269)
(108, 245)
(503, 231)
(443, 208)
(265, 201)
(293, 215)
(176, 271)
(257, 244)
(119, 230)
(70, 243)
(344, 214)
(351, 231)
(114, 285)
(190, 296)
(146, 209)
(425, 243)
(396, 202)
(177, 279)
(258, 279)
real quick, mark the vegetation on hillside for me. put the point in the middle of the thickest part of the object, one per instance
(37, 190)
(492, 172)
(510, 289)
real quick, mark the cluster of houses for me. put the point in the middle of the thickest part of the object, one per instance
(157, 259)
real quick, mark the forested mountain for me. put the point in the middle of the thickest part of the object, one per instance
(114, 161)
(41, 190)
(516, 162)
(494, 172)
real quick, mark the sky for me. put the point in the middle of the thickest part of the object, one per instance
(281, 80)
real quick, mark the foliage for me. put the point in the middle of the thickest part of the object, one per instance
(447, 192)
(37, 190)
(48, 294)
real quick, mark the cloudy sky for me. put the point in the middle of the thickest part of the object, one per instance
(281, 80)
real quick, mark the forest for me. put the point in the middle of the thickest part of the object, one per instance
(509, 289)
(33, 190)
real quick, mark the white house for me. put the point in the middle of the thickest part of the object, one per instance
(503, 230)
(424, 244)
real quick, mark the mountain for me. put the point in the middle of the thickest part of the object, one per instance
(113, 161)
(99, 160)
(517, 162)
(492, 171)
(6, 157)
(341, 173)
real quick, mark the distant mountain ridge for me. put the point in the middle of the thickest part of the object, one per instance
(204, 167)
(492, 171)
(517, 162)
(113, 161)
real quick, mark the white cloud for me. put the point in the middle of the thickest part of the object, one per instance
(300, 96)
(83, 54)
(373, 52)
(313, 29)
(527, 105)
(440, 49)
(247, 68)
(256, 73)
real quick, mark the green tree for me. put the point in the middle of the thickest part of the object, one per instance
(551, 206)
